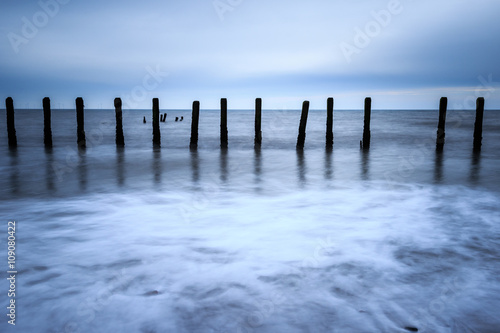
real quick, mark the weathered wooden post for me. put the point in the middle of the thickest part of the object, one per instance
(156, 122)
(193, 144)
(11, 128)
(80, 123)
(478, 125)
(302, 127)
(223, 123)
(366, 127)
(47, 130)
(258, 123)
(329, 123)
(120, 140)
(443, 104)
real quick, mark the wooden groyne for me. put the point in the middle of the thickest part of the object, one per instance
(258, 123)
(329, 123)
(223, 123)
(443, 104)
(120, 140)
(478, 125)
(195, 119)
(11, 128)
(365, 144)
(47, 128)
(302, 127)
(80, 129)
(156, 123)
(193, 144)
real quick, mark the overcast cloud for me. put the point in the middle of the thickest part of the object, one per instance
(404, 54)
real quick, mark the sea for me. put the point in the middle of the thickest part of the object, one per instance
(397, 238)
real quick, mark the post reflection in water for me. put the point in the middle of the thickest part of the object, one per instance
(257, 165)
(195, 166)
(438, 167)
(14, 171)
(301, 167)
(475, 167)
(120, 165)
(223, 165)
(328, 163)
(82, 169)
(365, 164)
(49, 172)
(157, 169)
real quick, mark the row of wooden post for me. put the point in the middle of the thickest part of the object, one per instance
(120, 141)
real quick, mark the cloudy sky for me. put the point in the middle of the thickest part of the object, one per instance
(403, 53)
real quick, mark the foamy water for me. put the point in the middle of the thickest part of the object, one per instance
(145, 240)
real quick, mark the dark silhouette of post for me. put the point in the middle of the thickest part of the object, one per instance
(80, 131)
(329, 123)
(120, 140)
(47, 130)
(11, 128)
(223, 123)
(366, 127)
(443, 104)
(258, 122)
(156, 122)
(195, 118)
(302, 127)
(478, 125)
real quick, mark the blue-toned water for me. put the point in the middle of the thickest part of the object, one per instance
(167, 240)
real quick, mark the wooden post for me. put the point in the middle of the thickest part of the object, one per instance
(195, 118)
(223, 123)
(478, 125)
(156, 122)
(329, 123)
(80, 123)
(443, 103)
(258, 122)
(366, 127)
(302, 127)
(11, 128)
(47, 130)
(120, 140)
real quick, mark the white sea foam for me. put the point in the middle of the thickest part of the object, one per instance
(355, 258)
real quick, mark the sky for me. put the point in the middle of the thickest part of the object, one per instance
(405, 54)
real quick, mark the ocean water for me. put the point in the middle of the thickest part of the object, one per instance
(272, 240)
